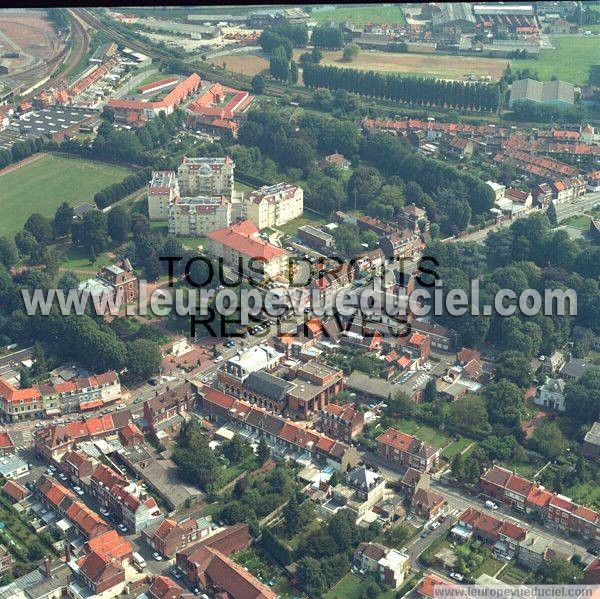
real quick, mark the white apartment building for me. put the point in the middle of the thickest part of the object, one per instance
(275, 205)
(207, 177)
(162, 190)
(197, 216)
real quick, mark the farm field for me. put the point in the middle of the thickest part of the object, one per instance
(569, 61)
(360, 15)
(41, 186)
(436, 65)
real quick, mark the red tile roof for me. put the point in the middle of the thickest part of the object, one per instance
(243, 238)
(111, 543)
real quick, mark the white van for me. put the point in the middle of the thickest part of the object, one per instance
(139, 563)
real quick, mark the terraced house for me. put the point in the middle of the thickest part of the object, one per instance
(47, 400)
(406, 450)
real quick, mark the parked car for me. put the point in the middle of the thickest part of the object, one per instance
(491, 505)
(435, 525)
(157, 556)
(104, 511)
(425, 534)
(122, 527)
(218, 359)
(62, 476)
(456, 576)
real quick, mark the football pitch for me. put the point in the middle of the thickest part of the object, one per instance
(43, 184)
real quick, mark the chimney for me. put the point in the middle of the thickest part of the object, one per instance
(67, 552)
(47, 571)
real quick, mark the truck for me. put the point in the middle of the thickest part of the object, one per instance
(491, 505)
(139, 563)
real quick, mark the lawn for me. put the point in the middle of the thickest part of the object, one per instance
(489, 566)
(579, 222)
(456, 447)
(41, 186)
(308, 218)
(514, 575)
(353, 586)
(360, 15)
(586, 494)
(425, 433)
(239, 186)
(193, 242)
(526, 469)
(570, 60)
(76, 258)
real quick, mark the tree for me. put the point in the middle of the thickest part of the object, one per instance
(470, 413)
(458, 467)
(63, 220)
(291, 516)
(430, 391)
(262, 451)
(549, 440)
(258, 84)
(152, 266)
(582, 398)
(558, 571)
(68, 281)
(8, 252)
(293, 72)
(143, 359)
(400, 406)
(516, 368)
(39, 360)
(26, 243)
(504, 404)
(317, 55)
(235, 450)
(139, 224)
(24, 379)
(350, 52)
(310, 576)
(94, 233)
(39, 226)
(118, 223)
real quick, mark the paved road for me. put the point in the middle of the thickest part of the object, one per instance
(458, 501)
(565, 211)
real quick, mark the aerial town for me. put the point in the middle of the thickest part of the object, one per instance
(409, 155)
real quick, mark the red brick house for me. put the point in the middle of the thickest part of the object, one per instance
(77, 465)
(407, 450)
(165, 412)
(169, 536)
(164, 587)
(130, 434)
(206, 565)
(342, 422)
(101, 574)
(14, 491)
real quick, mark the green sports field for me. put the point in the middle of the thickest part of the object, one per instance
(44, 184)
(360, 14)
(570, 60)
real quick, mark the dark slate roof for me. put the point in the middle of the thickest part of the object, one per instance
(267, 385)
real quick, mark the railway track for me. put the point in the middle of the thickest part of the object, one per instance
(78, 47)
(92, 20)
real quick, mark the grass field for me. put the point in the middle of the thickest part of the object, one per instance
(353, 586)
(570, 60)
(489, 566)
(43, 185)
(360, 15)
(77, 259)
(579, 222)
(437, 65)
(514, 575)
(308, 218)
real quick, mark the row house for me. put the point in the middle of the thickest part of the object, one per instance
(45, 400)
(104, 576)
(504, 536)
(165, 412)
(169, 536)
(54, 440)
(413, 218)
(133, 506)
(63, 501)
(163, 587)
(77, 466)
(406, 450)
(276, 430)
(112, 544)
(400, 244)
(416, 346)
(341, 422)
(558, 510)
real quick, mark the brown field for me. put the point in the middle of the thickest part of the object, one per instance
(247, 64)
(447, 67)
(29, 33)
